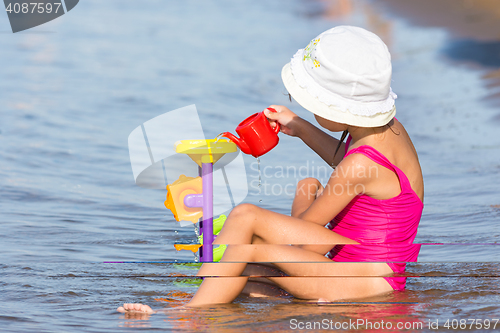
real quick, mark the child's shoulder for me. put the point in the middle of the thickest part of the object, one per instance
(356, 166)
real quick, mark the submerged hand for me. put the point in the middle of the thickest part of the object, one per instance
(285, 117)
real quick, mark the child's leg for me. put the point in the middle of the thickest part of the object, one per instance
(306, 192)
(248, 224)
(312, 276)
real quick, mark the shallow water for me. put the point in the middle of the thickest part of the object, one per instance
(75, 88)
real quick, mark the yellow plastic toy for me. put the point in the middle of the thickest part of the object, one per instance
(191, 199)
(175, 198)
(189, 247)
(218, 250)
(205, 151)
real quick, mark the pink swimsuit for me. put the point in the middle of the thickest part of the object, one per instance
(384, 229)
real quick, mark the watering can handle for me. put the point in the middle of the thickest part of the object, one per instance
(278, 126)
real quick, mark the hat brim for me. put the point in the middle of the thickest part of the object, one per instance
(331, 112)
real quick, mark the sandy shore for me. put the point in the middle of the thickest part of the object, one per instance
(474, 19)
(474, 28)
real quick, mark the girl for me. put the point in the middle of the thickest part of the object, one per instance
(371, 205)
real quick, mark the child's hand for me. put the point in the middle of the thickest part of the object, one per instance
(285, 117)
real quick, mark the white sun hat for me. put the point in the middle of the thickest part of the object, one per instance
(344, 75)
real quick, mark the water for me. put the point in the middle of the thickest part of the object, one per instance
(217, 138)
(260, 176)
(73, 90)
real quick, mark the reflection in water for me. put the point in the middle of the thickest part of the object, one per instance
(136, 320)
(275, 315)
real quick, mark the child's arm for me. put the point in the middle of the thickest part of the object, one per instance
(347, 181)
(323, 144)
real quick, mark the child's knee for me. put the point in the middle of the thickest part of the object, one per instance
(309, 180)
(308, 185)
(243, 211)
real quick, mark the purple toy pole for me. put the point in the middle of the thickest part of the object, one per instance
(208, 228)
(200, 251)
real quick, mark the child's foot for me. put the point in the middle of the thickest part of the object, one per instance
(135, 307)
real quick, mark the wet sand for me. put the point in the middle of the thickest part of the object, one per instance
(473, 28)
(465, 19)
(474, 33)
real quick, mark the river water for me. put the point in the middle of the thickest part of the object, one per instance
(73, 90)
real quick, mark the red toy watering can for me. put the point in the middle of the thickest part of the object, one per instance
(257, 137)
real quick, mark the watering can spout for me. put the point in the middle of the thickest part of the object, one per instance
(239, 142)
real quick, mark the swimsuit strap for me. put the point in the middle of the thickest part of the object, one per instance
(379, 158)
(347, 143)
